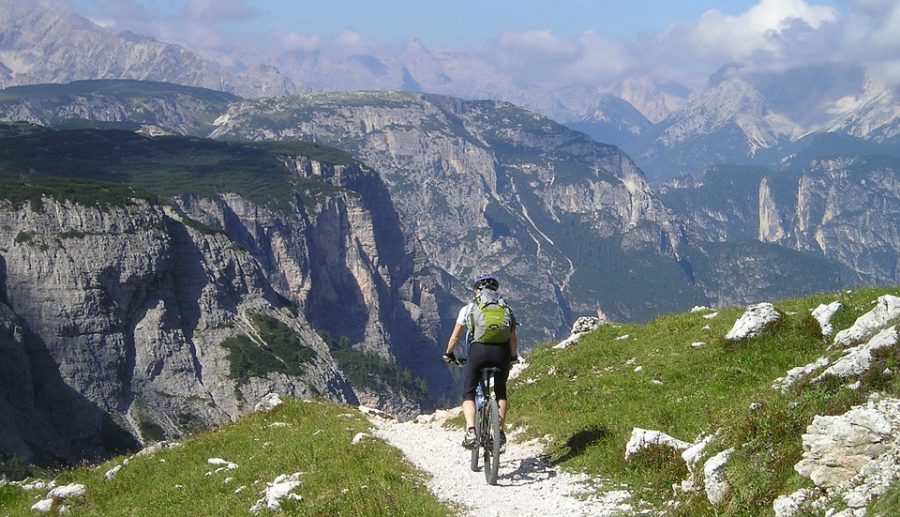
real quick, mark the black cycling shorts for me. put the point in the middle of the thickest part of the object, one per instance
(480, 356)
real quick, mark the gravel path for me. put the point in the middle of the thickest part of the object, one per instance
(527, 484)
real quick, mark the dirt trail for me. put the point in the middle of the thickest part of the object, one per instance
(527, 486)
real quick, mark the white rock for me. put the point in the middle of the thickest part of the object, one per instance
(823, 314)
(111, 473)
(886, 308)
(225, 465)
(586, 324)
(360, 437)
(698, 344)
(711, 315)
(276, 491)
(639, 369)
(268, 403)
(858, 359)
(754, 320)
(790, 505)
(783, 384)
(622, 338)
(836, 448)
(70, 491)
(699, 308)
(717, 486)
(42, 506)
(643, 438)
(691, 455)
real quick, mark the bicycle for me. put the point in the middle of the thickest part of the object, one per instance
(487, 421)
(487, 427)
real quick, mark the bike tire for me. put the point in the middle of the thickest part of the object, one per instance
(473, 461)
(492, 444)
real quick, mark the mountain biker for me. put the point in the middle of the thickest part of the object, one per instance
(482, 355)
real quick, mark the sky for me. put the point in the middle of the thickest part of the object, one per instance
(590, 40)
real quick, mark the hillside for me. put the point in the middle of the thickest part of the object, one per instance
(150, 287)
(679, 375)
(227, 472)
(578, 406)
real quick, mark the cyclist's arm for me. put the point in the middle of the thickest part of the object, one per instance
(454, 337)
(513, 344)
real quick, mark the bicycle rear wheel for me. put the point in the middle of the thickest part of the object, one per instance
(492, 443)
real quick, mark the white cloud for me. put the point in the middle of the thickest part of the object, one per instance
(541, 44)
(351, 42)
(294, 42)
(218, 10)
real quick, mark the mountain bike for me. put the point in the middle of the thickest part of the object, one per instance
(487, 426)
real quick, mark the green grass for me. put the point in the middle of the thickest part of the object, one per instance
(101, 167)
(338, 478)
(281, 351)
(366, 370)
(593, 398)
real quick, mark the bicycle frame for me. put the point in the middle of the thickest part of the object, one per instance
(487, 426)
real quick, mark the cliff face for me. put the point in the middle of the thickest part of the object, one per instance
(486, 187)
(343, 259)
(841, 209)
(847, 209)
(129, 323)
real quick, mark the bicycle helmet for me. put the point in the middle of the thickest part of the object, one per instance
(486, 281)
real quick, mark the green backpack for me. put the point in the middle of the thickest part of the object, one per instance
(490, 320)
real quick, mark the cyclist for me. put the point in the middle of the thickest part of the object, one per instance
(482, 355)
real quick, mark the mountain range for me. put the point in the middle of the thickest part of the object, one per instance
(740, 116)
(168, 228)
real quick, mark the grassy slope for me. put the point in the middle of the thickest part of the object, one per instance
(588, 405)
(593, 398)
(338, 478)
(35, 160)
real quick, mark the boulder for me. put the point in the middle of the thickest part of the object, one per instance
(823, 314)
(717, 487)
(837, 448)
(783, 384)
(886, 308)
(754, 320)
(642, 439)
(857, 360)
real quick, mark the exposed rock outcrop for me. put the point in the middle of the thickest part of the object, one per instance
(120, 313)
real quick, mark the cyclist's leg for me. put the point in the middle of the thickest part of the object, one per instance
(500, 356)
(470, 381)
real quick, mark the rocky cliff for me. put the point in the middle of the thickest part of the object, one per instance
(488, 187)
(843, 209)
(126, 320)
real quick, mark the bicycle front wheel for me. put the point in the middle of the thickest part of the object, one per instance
(492, 443)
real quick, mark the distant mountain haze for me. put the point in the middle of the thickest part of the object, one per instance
(668, 129)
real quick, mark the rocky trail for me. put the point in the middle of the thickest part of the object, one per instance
(528, 485)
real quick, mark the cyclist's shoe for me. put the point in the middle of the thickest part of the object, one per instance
(470, 442)
(502, 442)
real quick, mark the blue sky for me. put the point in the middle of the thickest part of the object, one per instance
(461, 24)
(592, 41)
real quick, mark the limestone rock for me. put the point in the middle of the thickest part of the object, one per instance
(717, 486)
(823, 314)
(857, 360)
(643, 438)
(754, 320)
(836, 448)
(886, 308)
(783, 384)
